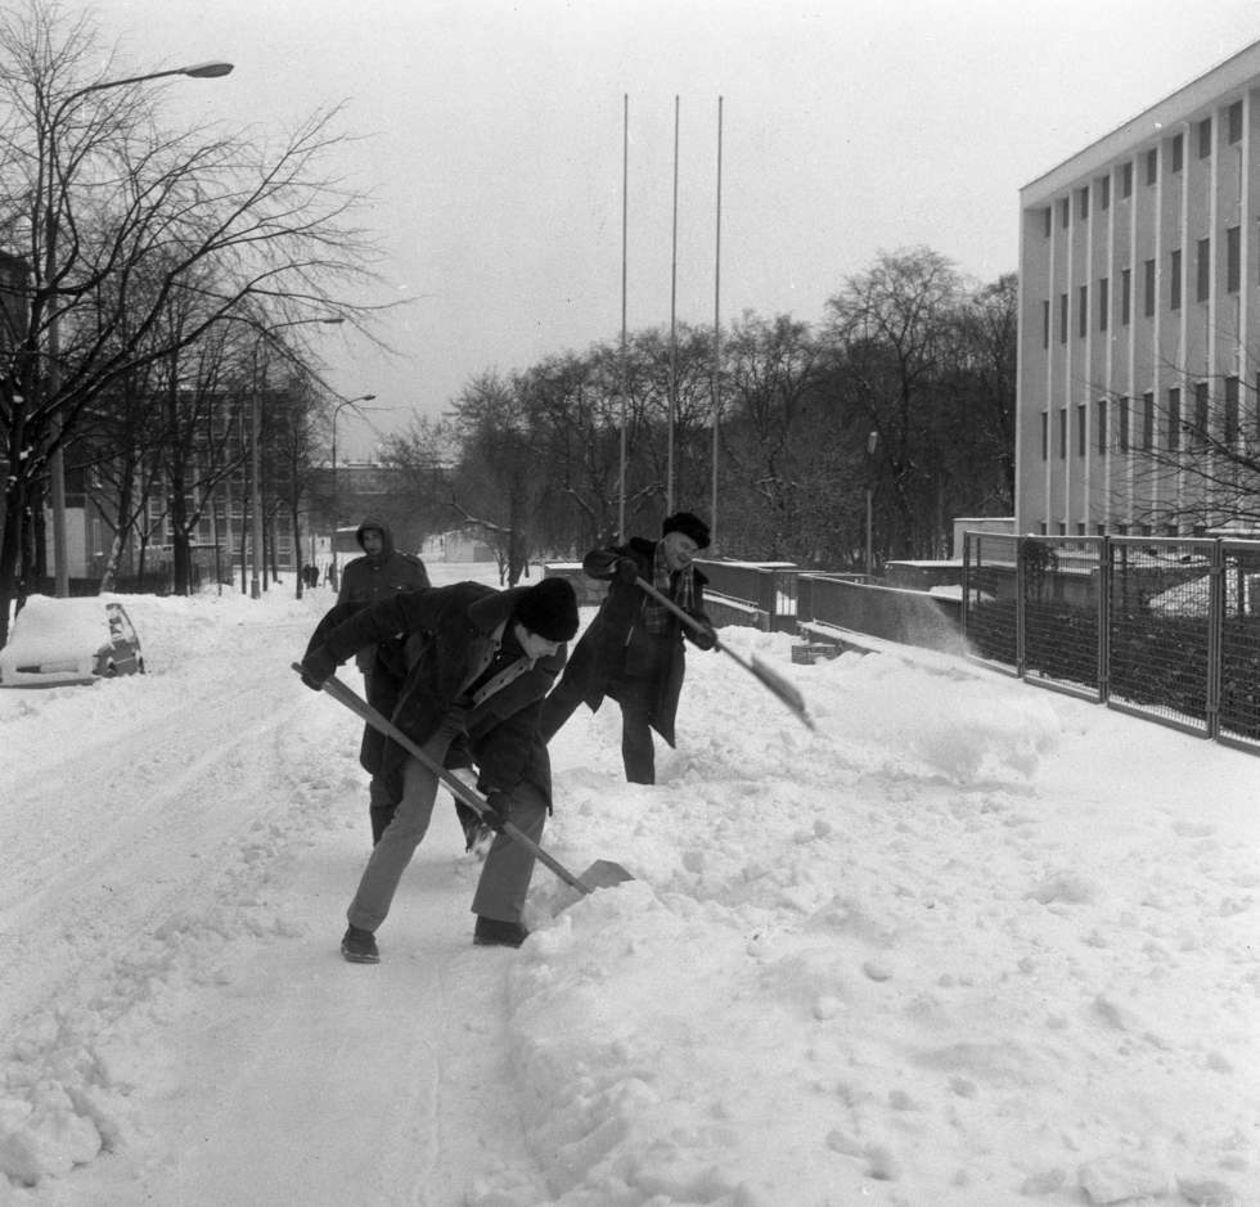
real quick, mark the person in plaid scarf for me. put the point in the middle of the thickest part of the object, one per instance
(633, 650)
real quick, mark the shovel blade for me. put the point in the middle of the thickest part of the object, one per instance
(603, 873)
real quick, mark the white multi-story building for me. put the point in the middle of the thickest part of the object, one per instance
(1140, 317)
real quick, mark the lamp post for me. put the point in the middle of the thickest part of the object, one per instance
(872, 443)
(336, 517)
(56, 458)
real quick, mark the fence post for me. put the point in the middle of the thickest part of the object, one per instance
(1215, 642)
(965, 614)
(1021, 608)
(1104, 619)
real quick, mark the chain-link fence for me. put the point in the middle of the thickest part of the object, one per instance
(1162, 627)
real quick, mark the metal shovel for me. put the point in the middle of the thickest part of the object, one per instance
(603, 873)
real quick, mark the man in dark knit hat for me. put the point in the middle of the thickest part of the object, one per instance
(633, 650)
(479, 663)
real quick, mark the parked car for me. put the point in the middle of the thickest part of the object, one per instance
(56, 641)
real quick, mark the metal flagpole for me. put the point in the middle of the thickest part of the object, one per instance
(625, 193)
(673, 332)
(717, 332)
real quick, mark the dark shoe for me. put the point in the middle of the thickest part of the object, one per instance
(359, 946)
(490, 932)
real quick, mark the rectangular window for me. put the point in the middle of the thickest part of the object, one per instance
(1126, 179)
(1045, 323)
(1148, 420)
(1065, 213)
(1104, 302)
(1104, 192)
(1045, 435)
(1082, 202)
(1126, 295)
(1172, 437)
(1082, 310)
(1203, 270)
(1048, 217)
(1229, 417)
(1178, 150)
(1063, 318)
(1152, 165)
(1122, 420)
(1205, 138)
(1148, 281)
(1233, 259)
(1174, 281)
(1234, 120)
(1199, 433)
(1082, 431)
(1102, 426)
(1063, 433)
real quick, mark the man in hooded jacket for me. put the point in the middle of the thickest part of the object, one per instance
(381, 572)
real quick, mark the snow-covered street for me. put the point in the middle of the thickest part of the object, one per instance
(969, 943)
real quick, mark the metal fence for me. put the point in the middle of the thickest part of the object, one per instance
(1161, 627)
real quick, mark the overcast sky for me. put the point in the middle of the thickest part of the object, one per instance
(492, 146)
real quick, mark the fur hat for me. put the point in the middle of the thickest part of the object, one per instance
(549, 608)
(689, 525)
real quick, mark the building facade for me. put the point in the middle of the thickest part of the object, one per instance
(1139, 314)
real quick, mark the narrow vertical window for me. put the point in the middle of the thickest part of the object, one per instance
(1126, 179)
(1148, 421)
(1065, 213)
(1082, 310)
(1178, 152)
(1148, 287)
(1063, 433)
(1082, 430)
(1102, 426)
(1234, 120)
(1229, 415)
(1045, 323)
(1172, 437)
(1063, 318)
(1048, 218)
(1126, 295)
(1199, 434)
(1104, 302)
(1233, 259)
(1045, 435)
(1152, 166)
(1174, 281)
(1122, 422)
(1203, 270)
(1104, 193)
(1205, 138)
(1082, 201)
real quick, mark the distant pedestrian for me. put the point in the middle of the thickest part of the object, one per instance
(633, 650)
(380, 573)
(480, 663)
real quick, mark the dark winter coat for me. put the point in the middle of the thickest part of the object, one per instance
(616, 646)
(451, 635)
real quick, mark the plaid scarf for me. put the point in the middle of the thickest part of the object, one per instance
(679, 586)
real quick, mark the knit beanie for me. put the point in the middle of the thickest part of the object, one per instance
(549, 608)
(689, 525)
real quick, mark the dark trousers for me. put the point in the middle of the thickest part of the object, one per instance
(637, 750)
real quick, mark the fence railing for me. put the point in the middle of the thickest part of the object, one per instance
(1165, 628)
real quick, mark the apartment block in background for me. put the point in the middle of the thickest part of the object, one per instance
(1139, 344)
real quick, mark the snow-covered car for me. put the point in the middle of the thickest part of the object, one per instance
(56, 641)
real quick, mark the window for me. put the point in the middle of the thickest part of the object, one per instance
(1122, 420)
(1126, 295)
(1126, 179)
(1178, 150)
(1172, 437)
(1102, 426)
(1045, 434)
(1203, 270)
(1152, 166)
(1148, 420)
(1233, 259)
(1063, 318)
(1082, 431)
(1045, 323)
(1082, 310)
(1234, 122)
(1199, 434)
(1148, 275)
(1174, 281)
(1063, 433)
(1229, 418)
(1048, 217)
(1104, 192)
(1065, 213)
(1082, 203)
(1104, 295)
(1205, 138)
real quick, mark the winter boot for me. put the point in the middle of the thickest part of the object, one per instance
(359, 946)
(490, 932)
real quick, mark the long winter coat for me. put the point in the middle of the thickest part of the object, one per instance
(615, 645)
(451, 635)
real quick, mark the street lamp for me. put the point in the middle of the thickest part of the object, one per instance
(336, 518)
(56, 458)
(872, 443)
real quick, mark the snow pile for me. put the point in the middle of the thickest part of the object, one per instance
(967, 944)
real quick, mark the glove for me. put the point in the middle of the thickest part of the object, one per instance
(705, 640)
(626, 570)
(318, 666)
(498, 808)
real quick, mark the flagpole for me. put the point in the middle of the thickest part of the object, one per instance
(673, 332)
(717, 332)
(625, 194)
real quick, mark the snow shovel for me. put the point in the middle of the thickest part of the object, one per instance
(776, 683)
(603, 873)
